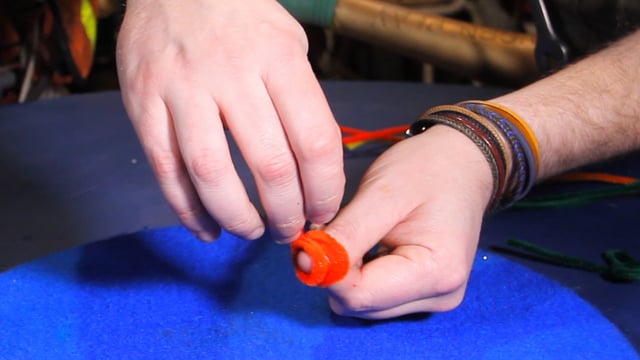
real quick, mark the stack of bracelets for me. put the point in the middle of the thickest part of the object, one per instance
(506, 141)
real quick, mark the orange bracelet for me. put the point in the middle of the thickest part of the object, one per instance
(330, 261)
(516, 120)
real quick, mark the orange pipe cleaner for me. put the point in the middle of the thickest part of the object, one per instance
(388, 134)
(330, 261)
(595, 176)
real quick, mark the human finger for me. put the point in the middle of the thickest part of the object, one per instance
(409, 279)
(153, 123)
(255, 125)
(313, 135)
(207, 159)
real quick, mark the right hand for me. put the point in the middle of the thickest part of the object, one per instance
(189, 68)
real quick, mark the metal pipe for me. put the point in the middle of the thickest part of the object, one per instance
(479, 52)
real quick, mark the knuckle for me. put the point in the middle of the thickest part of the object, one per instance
(290, 226)
(289, 53)
(348, 229)
(290, 40)
(323, 206)
(353, 303)
(193, 217)
(279, 169)
(241, 225)
(451, 302)
(140, 77)
(165, 164)
(206, 168)
(323, 148)
(188, 216)
(338, 309)
(454, 280)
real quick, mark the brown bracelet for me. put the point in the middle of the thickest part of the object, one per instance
(506, 144)
(496, 153)
(465, 127)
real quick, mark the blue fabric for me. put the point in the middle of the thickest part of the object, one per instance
(161, 294)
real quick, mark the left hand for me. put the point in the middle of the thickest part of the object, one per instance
(424, 200)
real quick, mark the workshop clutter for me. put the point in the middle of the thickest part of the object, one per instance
(46, 46)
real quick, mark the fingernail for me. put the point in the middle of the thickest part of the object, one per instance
(323, 219)
(206, 235)
(256, 233)
(283, 241)
(316, 226)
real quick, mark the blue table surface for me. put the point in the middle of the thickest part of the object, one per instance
(73, 173)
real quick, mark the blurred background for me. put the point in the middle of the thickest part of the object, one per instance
(51, 48)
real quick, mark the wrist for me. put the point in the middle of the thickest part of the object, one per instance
(507, 143)
(460, 159)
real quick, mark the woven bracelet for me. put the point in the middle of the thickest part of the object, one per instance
(523, 143)
(487, 132)
(486, 127)
(505, 140)
(475, 134)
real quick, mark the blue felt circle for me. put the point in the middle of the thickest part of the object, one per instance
(161, 294)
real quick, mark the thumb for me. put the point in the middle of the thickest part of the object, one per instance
(365, 221)
(356, 229)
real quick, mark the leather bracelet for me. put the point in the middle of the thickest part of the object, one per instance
(465, 127)
(507, 143)
(497, 135)
(516, 120)
(496, 155)
(525, 158)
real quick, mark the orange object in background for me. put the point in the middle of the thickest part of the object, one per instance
(45, 47)
(79, 24)
(329, 260)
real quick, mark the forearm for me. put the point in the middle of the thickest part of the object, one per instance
(587, 112)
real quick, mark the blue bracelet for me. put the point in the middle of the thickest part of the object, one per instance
(525, 171)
